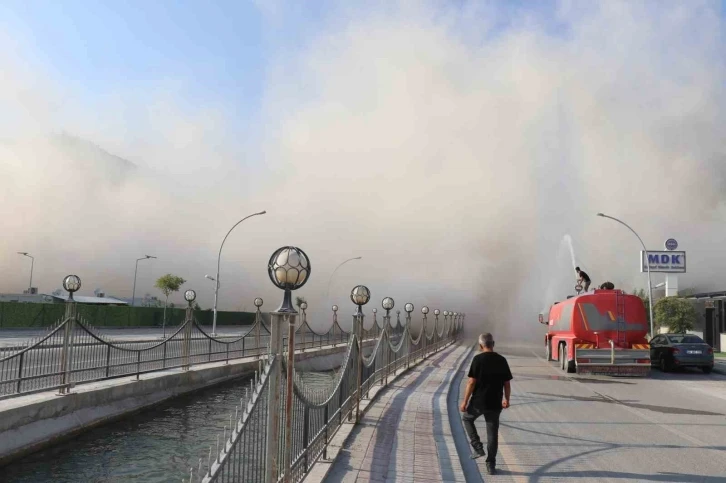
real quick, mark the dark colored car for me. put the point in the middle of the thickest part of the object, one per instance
(670, 351)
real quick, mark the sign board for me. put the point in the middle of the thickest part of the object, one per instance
(671, 244)
(663, 262)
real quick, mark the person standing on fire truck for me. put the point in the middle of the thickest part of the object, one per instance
(487, 393)
(584, 278)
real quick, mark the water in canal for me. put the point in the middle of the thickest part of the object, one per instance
(156, 445)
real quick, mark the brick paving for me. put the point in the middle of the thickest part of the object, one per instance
(405, 435)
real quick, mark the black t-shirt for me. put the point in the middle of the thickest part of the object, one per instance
(491, 371)
(585, 277)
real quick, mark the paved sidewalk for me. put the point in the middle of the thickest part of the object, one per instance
(405, 436)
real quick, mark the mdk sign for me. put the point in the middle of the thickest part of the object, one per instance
(665, 262)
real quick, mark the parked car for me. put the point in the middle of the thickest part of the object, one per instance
(669, 351)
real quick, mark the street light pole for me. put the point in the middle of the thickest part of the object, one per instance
(136, 270)
(645, 251)
(32, 262)
(219, 258)
(327, 292)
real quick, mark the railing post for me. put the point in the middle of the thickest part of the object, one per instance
(325, 418)
(289, 393)
(66, 352)
(273, 400)
(186, 342)
(358, 321)
(258, 322)
(108, 359)
(306, 435)
(20, 373)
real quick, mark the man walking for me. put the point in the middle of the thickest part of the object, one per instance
(487, 393)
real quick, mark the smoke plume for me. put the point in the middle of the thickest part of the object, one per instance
(452, 147)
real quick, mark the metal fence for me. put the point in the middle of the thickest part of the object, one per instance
(72, 351)
(283, 426)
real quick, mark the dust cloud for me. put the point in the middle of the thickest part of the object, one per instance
(451, 147)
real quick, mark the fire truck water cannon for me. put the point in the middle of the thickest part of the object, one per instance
(599, 332)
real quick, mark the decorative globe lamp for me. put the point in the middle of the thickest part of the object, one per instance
(258, 303)
(360, 295)
(190, 296)
(424, 310)
(388, 303)
(72, 283)
(289, 269)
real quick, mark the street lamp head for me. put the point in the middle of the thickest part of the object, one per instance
(209, 277)
(600, 214)
(455, 314)
(289, 269)
(375, 310)
(72, 283)
(190, 296)
(388, 303)
(258, 302)
(304, 305)
(424, 310)
(408, 307)
(446, 313)
(23, 253)
(149, 256)
(360, 295)
(437, 311)
(335, 308)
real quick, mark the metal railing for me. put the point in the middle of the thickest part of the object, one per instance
(72, 351)
(283, 426)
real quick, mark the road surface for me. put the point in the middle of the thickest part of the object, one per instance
(564, 427)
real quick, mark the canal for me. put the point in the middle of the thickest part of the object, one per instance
(157, 445)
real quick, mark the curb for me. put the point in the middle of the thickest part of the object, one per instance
(461, 441)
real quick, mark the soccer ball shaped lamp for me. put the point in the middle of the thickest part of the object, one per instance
(289, 269)
(72, 283)
(190, 296)
(360, 295)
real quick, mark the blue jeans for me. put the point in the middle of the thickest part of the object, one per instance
(492, 421)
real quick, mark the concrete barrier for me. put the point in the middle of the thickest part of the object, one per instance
(30, 423)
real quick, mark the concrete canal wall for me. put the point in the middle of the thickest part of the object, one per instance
(32, 422)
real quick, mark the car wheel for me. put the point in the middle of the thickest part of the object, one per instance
(664, 366)
(707, 369)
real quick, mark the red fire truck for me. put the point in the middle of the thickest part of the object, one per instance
(599, 332)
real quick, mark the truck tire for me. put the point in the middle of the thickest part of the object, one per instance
(548, 350)
(570, 365)
(561, 356)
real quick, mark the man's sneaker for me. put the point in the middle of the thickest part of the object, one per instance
(479, 451)
(491, 470)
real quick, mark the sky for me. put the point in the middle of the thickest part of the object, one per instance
(452, 145)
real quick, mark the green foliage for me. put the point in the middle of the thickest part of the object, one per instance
(169, 283)
(676, 313)
(644, 297)
(17, 315)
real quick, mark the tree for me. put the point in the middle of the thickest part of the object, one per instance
(168, 284)
(644, 297)
(676, 313)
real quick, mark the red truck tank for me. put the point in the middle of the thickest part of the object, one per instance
(599, 332)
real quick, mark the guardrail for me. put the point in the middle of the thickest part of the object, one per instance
(282, 426)
(72, 352)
